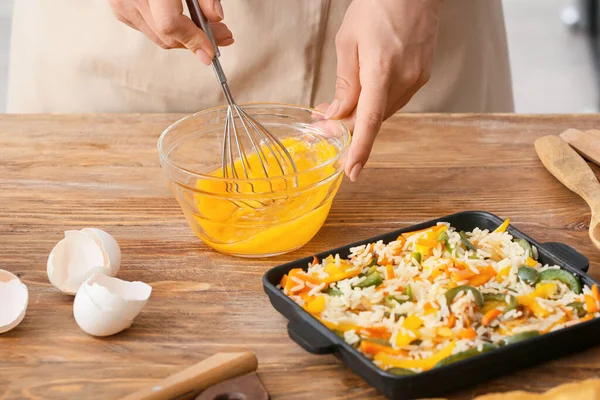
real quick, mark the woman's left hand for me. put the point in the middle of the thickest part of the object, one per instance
(385, 49)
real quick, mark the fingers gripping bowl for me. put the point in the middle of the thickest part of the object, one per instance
(254, 215)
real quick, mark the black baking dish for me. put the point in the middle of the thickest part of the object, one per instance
(316, 338)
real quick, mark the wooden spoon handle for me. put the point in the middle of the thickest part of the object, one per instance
(569, 168)
(586, 143)
(209, 372)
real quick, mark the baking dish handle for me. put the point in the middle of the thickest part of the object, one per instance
(310, 342)
(569, 254)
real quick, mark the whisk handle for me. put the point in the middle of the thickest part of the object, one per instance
(201, 22)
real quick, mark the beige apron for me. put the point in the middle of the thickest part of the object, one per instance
(73, 56)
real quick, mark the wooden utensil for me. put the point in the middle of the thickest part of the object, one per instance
(573, 172)
(191, 381)
(587, 143)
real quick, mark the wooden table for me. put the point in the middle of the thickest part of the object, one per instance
(70, 172)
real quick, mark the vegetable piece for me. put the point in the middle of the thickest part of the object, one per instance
(443, 237)
(412, 322)
(444, 331)
(299, 274)
(451, 321)
(389, 271)
(545, 290)
(400, 371)
(339, 333)
(588, 317)
(511, 304)
(465, 240)
(416, 342)
(416, 256)
(485, 275)
(388, 361)
(504, 272)
(563, 276)
(578, 308)
(390, 299)
(465, 354)
(530, 262)
(332, 291)
(377, 340)
(283, 281)
(315, 261)
(468, 333)
(508, 299)
(519, 337)
(590, 304)
(408, 292)
(372, 348)
(528, 275)
(315, 305)
(452, 293)
(525, 246)
(596, 292)
(503, 227)
(474, 256)
(490, 316)
(373, 279)
(462, 275)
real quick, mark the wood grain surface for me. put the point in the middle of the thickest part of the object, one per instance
(70, 172)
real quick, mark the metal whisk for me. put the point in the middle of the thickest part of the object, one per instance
(259, 137)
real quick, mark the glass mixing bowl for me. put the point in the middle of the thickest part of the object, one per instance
(256, 216)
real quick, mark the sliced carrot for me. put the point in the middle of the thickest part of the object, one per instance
(283, 280)
(468, 333)
(385, 261)
(567, 312)
(590, 303)
(451, 321)
(389, 270)
(398, 249)
(485, 275)
(462, 275)
(298, 273)
(315, 261)
(490, 316)
(380, 332)
(371, 349)
(588, 317)
(596, 292)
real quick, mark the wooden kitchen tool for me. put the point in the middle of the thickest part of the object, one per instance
(587, 143)
(188, 383)
(573, 172)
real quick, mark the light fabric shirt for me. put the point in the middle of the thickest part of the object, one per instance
(73, 56)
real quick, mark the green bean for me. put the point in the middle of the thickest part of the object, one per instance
(373, 279)
(465, 240)
(519, 337)
(465, 354)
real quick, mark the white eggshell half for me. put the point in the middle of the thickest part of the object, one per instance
(105, 306)
(79, 255)
(110, 247)
(14, 297)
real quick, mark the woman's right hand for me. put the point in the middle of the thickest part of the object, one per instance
(165, 24)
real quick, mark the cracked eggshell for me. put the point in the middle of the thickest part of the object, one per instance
(105, 306)
(81, 254)
(14, 297)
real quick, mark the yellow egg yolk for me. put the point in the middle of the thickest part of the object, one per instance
(280, 219)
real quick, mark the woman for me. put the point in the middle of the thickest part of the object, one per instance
(360, 60)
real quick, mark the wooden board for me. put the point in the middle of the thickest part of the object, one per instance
(70, 172)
